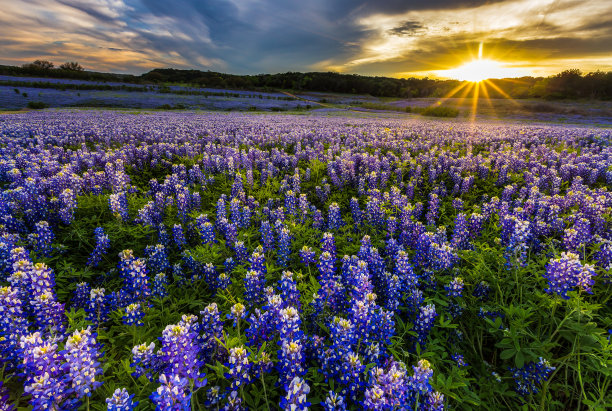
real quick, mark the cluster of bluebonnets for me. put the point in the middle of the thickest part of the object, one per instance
(17, 92)
(184, 261)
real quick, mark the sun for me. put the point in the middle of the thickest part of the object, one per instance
(481, 69)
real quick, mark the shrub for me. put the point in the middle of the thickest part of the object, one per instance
(37, 105)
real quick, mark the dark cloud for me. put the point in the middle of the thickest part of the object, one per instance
(407, 27)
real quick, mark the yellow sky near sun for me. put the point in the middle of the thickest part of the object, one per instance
(458, 32)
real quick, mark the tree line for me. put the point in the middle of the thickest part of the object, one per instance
(570, 84)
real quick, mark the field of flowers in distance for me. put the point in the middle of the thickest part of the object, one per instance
(230, 261)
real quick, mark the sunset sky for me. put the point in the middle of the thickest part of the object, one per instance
(398, 38)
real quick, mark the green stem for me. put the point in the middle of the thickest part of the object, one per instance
(192, 399)
(263, 383)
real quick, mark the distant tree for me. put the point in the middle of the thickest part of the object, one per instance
(71, 66)
(39, 65)
(566, 84)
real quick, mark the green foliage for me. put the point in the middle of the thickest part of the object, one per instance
(37, 105)
(439, 111)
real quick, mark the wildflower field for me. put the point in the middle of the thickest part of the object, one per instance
(181, 261)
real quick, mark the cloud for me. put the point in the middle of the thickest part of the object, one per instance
(406, 28)
(389, 37)
(513, 30)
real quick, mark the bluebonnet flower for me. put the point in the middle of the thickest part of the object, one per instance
(42, 364)
(254, 283)
(424, 322)
(102, 246)
(455, 287)
(178, 275)
(211, 276)
(236, 215)
(224, 281)
(482, 290)
(290, 361)
(49, 313)
(267, 236)
(326, 268)
(133, 315)
(567, 272)
(461, 234)
(328, 243)
(221, 210)
(474, 224)
(237, 186)
(121, 400)
(430, 253)
(304, 208)
(516, 233)
(318, 221)
(405, 271)
(295, 399)
(290, 202)
(458, 358)
(81, 353)
(180, 351)
(43, 238)
(284, 247)
(157, 258)
(577, 237)
(231, 233)
(239, 368)
(145, 361)
(173, 394)
(182, 205)
(393, 291)
(458, 204)
(334, 217)
(528, 378)
(334, 402)
(434, 401)
(289, 291)
(179, 236)
(119, 206)
(233, 402)
(205, 228)
(375, 399)
(211, 329)
(5, 405)
(351, 370)
(307, 255)
(160, 283)
(67, 206)
(355, 212)
(237, 312)
(97, 308)
(433, 209)
(374, 212)
(81, 295)
(147, 215)
(420, 379)
(289, 324)
(213, 396)
(229, 264)
(134, 272)
(162, 235)
(241, 252)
